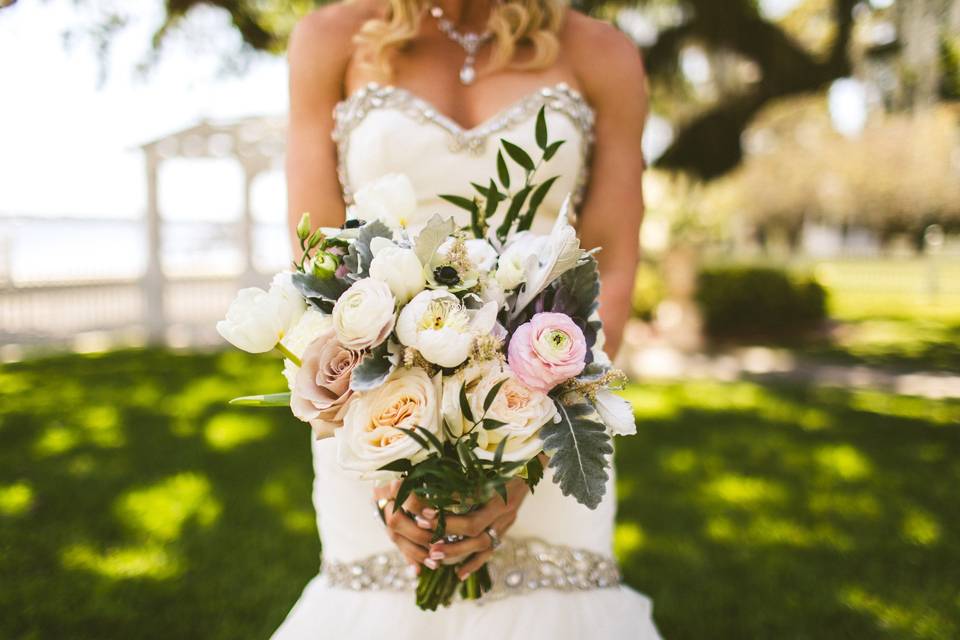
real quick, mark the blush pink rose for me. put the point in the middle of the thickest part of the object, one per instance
(321, 387)
(547, 351)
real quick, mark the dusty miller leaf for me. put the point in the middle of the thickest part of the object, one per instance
(359, 256)
(578, 446)
(373, 370)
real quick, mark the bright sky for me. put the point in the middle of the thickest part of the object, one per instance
(68, 147)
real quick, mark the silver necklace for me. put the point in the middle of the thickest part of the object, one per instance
(471, 43)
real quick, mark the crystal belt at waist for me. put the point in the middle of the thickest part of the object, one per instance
(518, 566)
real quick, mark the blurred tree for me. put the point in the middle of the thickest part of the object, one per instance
(754, 59)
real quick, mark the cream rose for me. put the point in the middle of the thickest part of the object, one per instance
(524, 411)
(364, 315)
(441, 329)
(321, 388)
(371, 435)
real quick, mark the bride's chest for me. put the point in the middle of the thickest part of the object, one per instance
(381, 130)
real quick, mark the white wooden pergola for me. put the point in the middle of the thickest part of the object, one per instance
(256, 143)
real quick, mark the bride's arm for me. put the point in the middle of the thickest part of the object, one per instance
(318, 56)
(611, 213)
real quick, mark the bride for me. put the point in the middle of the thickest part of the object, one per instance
(428, 88)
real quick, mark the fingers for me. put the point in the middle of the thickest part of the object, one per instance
(473, 524)
(399, 523)
(474, 563)
(413, 553)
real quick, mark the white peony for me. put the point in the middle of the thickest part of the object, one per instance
(257, 319)
(398, 267)
(441, 329)
(616, 413)
(523, 410)
(390, 199)
(371, 435)
(364, 315)
(513, 261)
(479, 252)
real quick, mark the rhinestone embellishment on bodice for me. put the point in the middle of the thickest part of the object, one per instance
(560, 98)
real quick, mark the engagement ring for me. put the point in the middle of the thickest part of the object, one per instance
(494, 538)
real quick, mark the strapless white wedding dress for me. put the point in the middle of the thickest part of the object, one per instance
(555, 576)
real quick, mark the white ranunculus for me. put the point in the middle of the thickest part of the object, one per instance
(364, 315)
(257, 319)
(390, 199)
(441, 329)
(523, 410)
(312, 323)
(616, 413)
(371, 435)
(398, 267)
(513, 261)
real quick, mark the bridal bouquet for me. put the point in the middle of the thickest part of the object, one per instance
(451, 357)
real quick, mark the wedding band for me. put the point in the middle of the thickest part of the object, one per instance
(494, 538)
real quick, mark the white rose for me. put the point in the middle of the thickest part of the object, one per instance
(512, 265)
(371, 435)
(440, 328)
(390, 199)
(616, 413)
(523, 410)
(364, 315)
(398, 267)
(312, 323)
(257, 319)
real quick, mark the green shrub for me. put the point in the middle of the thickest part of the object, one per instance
(648, 290)
(748, 303)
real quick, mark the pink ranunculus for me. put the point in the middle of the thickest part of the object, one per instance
(321, 388)
(547, 351)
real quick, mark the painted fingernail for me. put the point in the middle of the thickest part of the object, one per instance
(429, 513)
(464, 576)
(437, 555)
(430, 562)
(423, 523)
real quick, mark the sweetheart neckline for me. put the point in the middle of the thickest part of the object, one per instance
(426, 105)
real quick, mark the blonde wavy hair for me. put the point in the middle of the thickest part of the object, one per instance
(512, 22)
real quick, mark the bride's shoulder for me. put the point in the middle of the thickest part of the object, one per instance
(326, 33)
(588, 41)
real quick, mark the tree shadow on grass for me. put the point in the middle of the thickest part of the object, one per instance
(148, 508)
(752, 511)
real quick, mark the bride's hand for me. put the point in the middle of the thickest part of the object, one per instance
(495, 514)
(410, 528)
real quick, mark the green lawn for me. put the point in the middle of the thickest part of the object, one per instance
(135, 504)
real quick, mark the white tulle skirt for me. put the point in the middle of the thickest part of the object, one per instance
(328, 612)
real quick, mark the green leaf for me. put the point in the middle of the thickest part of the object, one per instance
(501, 490)
(432, 236)
(515, 205)
(578, 446)
(490, 424)
(416, 438)
(551, 150)
(541, 129)
(464, 203)
(263, 400)
(535, 200)
(492, 395)
(502, 170)
(359, 256)
(519, 155)
(373, 370)
(402, 466)
(465, 404)
(432, 437)
(498, 454)
(534, 473)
